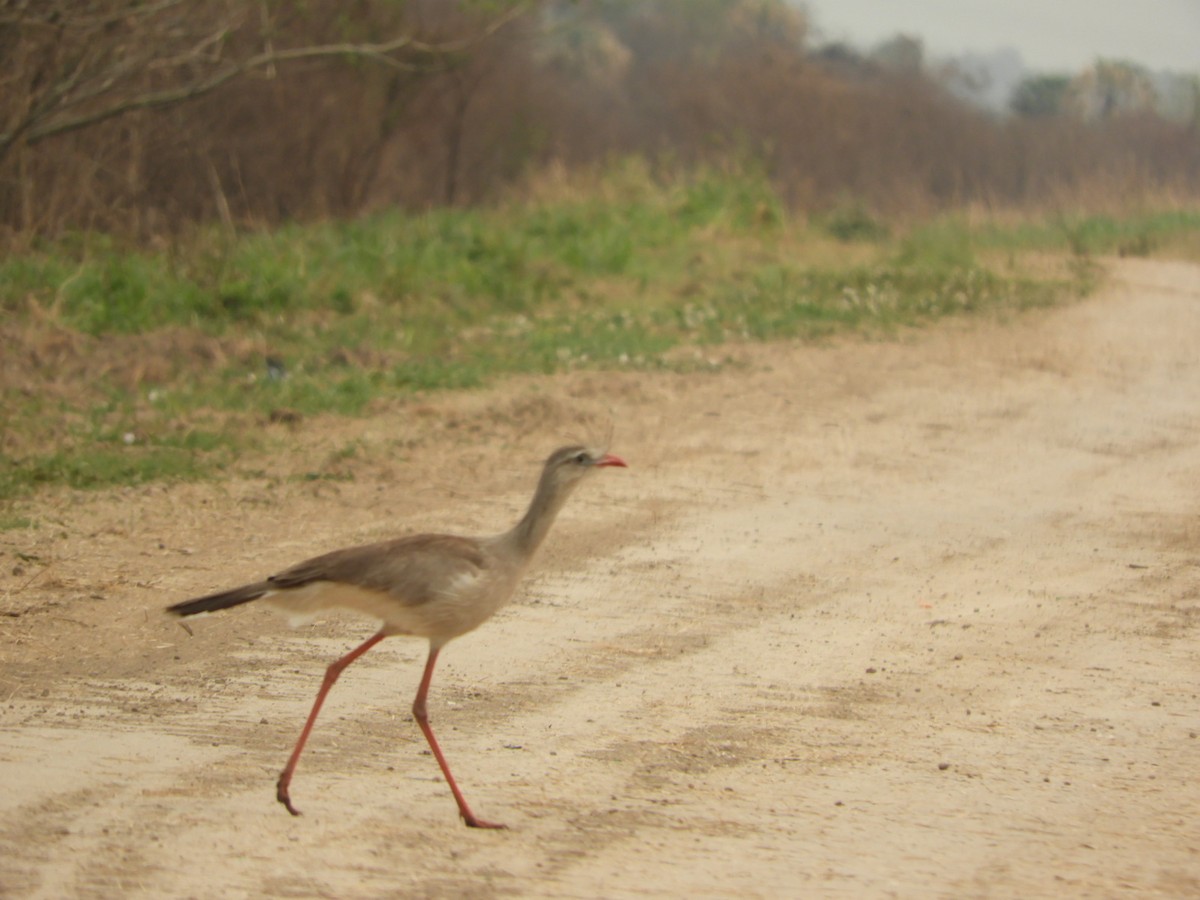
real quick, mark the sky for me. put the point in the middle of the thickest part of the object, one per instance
(1050, 35)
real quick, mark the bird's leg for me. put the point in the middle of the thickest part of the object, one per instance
(331, 675)
(422, 718)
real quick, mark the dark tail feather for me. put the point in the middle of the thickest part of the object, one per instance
(223, 600)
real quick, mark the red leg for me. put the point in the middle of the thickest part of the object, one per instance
(331, 675)
(422, 718)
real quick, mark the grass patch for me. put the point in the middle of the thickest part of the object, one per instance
(103, 437)
(135, 366)
(1140, 234)
(98, 467)
(14, 522)
(850, 221)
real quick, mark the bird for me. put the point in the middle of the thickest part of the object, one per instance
(435, 586)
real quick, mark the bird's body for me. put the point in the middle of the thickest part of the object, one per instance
(435, 586)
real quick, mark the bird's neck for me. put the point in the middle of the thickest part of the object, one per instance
(528, 534)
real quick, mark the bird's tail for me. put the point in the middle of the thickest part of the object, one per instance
(223, 600)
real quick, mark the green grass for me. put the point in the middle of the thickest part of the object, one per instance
(112, 443)
(620, 274)
(1141, 234)
(105, 467)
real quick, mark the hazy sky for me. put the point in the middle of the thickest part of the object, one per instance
(1050, 35)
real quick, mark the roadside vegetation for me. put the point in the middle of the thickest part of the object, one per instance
(125, 364)
(217, 227)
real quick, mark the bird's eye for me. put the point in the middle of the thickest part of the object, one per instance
(581, 457)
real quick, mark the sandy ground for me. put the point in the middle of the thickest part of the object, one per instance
(904, 619)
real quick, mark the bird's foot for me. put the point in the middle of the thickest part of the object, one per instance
(472, 822)
(281, 794)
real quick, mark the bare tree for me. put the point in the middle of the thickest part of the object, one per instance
(69, 66)
(139, 115)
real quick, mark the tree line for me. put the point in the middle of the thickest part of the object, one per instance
(142, 117)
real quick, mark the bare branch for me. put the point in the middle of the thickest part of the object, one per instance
(53, 113)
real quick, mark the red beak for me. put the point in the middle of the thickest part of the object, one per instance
(609, 459)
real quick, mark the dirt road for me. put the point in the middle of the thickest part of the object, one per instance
(907, 619)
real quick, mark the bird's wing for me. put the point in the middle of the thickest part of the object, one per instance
(413, 570)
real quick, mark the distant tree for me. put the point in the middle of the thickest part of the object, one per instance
(838, 54)
(1111, 87)
(695, 29)
(1040, 95)
(902, 54)
(1179, 97)
(581, 47)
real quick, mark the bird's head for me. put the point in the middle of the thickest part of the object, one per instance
(568, 465)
